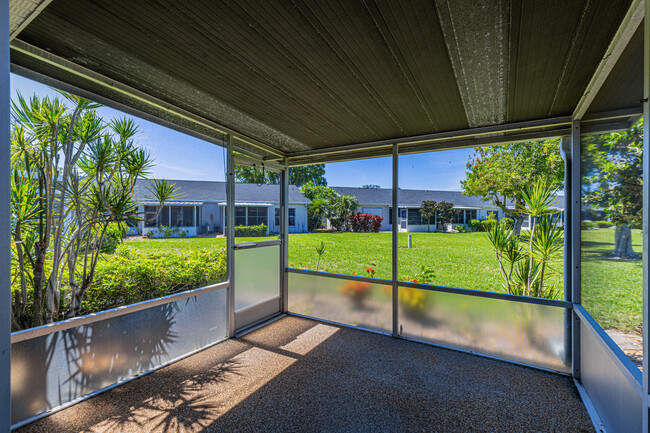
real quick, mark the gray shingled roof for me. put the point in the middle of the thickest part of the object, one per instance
(211, 191)
(415, 197)
(411, 197)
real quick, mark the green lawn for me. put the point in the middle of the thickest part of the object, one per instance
(461, 260)
(611, 288)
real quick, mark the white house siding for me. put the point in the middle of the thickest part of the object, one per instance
(381, 211)
(211, 217)
(300, 219)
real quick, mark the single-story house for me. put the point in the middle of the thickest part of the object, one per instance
(201, 207)
(378, 201)
(558, 207)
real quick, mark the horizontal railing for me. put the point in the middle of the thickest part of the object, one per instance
(436, 288)
(113, 312)
(245, 245)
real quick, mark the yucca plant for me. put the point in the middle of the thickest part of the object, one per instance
(73, 175)
(524, 260)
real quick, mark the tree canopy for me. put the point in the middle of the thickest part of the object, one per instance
(612, 180)
(298, 176)
(73, 176)
(428, 210)
(501, 173)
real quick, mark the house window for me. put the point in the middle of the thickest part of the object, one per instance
(459, 217)
(414, 217)
(277, 217)
(257, 216)
(150, 216)
(390, 215)
(292, 216)
(163, 216)
(240, 216)
(470, 215)
(181, 216)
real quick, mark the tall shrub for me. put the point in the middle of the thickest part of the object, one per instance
(72, 178)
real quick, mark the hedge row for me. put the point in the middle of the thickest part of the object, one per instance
(129, 276)
(250, 231)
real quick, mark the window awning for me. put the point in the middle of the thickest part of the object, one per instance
(174, 203)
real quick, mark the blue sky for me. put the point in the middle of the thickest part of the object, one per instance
(179, 156)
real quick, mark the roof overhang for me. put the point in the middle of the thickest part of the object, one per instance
(173, 203)
(309, 82)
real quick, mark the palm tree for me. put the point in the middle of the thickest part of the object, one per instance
(73, 174)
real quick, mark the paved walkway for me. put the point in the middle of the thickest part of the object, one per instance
(302, 375)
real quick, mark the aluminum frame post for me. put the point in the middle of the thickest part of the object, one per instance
(565, 149)
(395, 240)
(230, 235)
(646, 217)
(575, 204)
(5, 227)
(284, 238)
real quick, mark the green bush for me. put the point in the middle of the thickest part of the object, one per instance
(250, 231)
(507, 223)
(476, 225)
(488, 224)
(115, 232)
(589, 225)
(604, 224)
(128, 276)
(461, 229)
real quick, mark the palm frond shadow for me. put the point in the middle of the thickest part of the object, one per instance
(179, 406)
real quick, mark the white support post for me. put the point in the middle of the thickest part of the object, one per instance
(646, 217)
(230, 236)
(575, 203)
(396, 330)
(284, 237)
(565, 148)
(5, 227)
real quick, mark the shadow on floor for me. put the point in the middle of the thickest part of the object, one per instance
(302, 375)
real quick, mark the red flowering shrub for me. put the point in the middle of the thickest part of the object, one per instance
(365, 222)
(375, 223)
(356, 290)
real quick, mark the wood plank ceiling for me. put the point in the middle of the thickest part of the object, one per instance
(313, 74)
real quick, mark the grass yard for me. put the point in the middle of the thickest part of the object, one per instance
(464, 260)
(611, 288)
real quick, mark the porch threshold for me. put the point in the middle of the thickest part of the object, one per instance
(298, 374)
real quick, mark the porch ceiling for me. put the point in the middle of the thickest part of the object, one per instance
(300, 76)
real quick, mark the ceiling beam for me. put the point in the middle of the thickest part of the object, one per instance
(72, 69)
(428, 138)
(626, 30)
(593, 123)
(26, 20)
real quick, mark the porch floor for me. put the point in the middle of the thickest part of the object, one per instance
(303, 375)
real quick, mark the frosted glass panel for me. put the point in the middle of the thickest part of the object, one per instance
(522, 332)
(54, 369)
(345, 301)
(616, 399)
(257, 275)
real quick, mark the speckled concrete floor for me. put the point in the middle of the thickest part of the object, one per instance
(301, 375)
